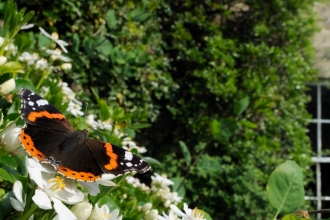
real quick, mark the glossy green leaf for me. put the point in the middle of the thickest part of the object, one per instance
(285, 189)
(241, 106)
(207, 216)
(186, 152)
(27, 84)
(8, 160)
(6, 176)
(153, 161)
(11, 67)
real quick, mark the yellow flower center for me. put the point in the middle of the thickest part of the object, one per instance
(198, 213)
(58, 183)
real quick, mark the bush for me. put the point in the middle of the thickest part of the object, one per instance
(227, 79)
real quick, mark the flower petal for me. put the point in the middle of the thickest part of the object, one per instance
(41, 199)
(62, 211)
(177, 211)
(93, 187)
(70, 198)
(18, 191)
(16, 205)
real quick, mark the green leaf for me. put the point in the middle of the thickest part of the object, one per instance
(11, 67)
(6, 176)
(110, 18)
(139, 126)
(27, 17)
(207, 216)
(285, 188)
(152, 161)
(249, 124)
(241, 106)
(139, 15)
(75, 42)
(208, 165)
(216, 129)
(228, 127)
(9, 161)
(27, 84)
(106, 200)
(293, 217)
(104, 110)
(177, 181)
(186, 152)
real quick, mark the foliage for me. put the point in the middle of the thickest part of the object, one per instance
(224, 80)
(32, 190)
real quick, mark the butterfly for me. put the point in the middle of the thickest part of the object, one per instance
(48, 136)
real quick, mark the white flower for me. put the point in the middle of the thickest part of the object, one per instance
(170, 216)
(29, 58)
(10, 141)
(75, 108)
(99, 124)
(18, 203)
(7, 87)
(136, 183)
(51, 189)
(160, 181)
(151, 215)
(27, 26)
(103, 213)
(82, 210)
(12, 48)
(3, 60)
(54, 37)
(128, 145)
(93, 187)
(189, 214)
(42, 64)
(57, 55)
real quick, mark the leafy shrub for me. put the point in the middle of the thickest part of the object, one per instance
(189, 67)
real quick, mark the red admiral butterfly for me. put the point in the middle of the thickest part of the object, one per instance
(49, 136)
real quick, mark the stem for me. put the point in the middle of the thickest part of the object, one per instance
(192, 166)
(41, 80)
(29, 212)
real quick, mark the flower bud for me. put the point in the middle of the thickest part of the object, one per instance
(9, 137)
(146, 207)
(66, 66)
(82, 210)
(3, 60)
(7, 87)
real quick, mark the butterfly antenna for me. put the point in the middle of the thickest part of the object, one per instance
(86, 106)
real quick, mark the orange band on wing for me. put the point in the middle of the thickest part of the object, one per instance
(83, 176)
(113, 157)
(34, 115)
(28, 144)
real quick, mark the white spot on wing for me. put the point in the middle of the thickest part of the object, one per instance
(128, 155)
(128, 164)
(42, 102)
(31, 103)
